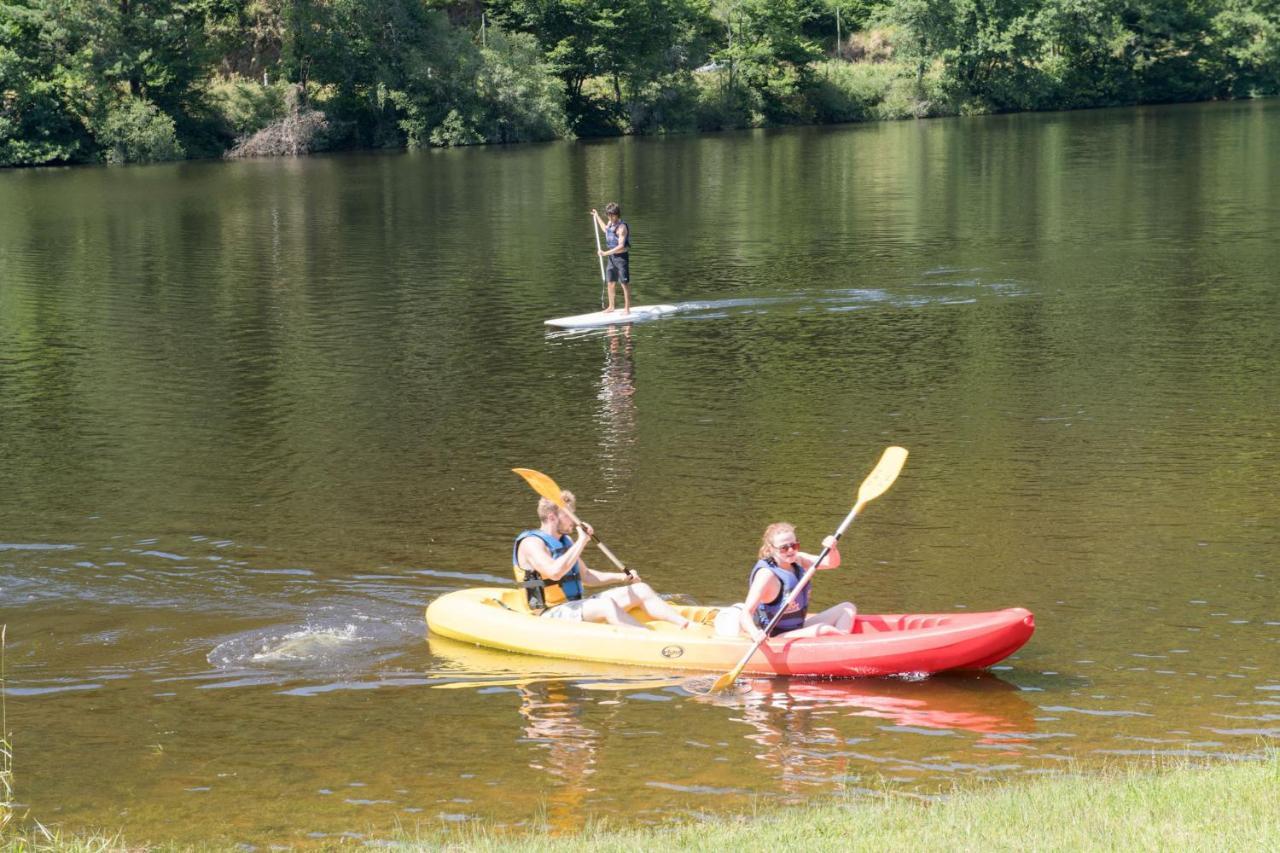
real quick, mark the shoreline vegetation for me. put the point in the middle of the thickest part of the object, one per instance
(1179, 807)
(92, 81)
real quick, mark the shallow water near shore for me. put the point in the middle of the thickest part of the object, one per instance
(255, 416)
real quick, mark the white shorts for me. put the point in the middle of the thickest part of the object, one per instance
(571, 610)
(728, 622)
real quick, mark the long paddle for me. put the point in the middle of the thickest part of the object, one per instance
(545, 486)
(876, 484)
(595, 229)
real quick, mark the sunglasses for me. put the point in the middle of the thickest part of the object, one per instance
(790, 546)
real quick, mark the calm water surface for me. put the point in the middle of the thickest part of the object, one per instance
(254, 416)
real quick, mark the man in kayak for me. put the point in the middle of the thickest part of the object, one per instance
(548, 564)
(617, 236)
(776, 574)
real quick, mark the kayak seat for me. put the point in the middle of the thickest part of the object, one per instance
(514, 599)
(916, 623)
(871, 625)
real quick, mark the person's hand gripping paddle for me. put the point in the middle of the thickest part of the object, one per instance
(876, 484)
(545, 486)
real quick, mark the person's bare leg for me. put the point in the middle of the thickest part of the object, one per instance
(610, 308)
(606, 609)
(653, 604)
(839, 619)
(626, 297)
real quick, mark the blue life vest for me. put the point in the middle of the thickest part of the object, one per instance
(543, 593)
(611, 235)
(789, 578)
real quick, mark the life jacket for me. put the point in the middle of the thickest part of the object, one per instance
(611, 235)
(543, 593)
(789, 578)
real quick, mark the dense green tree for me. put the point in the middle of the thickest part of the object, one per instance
(43, 110)
(768, 55)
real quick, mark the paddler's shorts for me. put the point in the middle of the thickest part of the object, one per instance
(571, 610)
(618, 268)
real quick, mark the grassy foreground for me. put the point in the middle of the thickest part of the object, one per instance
(1224, 807)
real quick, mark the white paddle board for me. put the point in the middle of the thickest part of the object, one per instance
(638, 314)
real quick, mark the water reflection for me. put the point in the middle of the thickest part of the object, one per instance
(983, 704)
(798, 723)
(553, 720)
(802, 731)
(616, 413)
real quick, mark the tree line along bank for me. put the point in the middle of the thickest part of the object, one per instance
(121, 81)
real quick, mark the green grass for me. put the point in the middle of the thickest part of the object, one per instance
(1223, 807)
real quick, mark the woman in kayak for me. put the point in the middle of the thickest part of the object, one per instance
(776, 574)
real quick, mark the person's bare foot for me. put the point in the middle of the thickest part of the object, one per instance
(608, 310)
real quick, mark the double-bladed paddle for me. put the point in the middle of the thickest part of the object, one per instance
(545, 486)
(876, 484)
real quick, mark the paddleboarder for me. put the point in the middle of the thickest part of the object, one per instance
(777, 571)
(617, 235)
(548, 564)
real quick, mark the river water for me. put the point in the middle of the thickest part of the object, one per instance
(255, 416)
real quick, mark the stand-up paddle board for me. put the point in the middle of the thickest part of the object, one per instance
(638, 314)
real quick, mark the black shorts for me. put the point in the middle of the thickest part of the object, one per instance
(617, 268)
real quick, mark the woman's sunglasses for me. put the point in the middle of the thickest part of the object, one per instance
(790, 546)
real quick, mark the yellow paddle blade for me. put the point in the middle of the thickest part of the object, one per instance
(886, 471)
(543, 485)
(725, 680)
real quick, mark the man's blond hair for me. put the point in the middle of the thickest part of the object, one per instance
(547, 508)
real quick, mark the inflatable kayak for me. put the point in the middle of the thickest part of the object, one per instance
(880, 644)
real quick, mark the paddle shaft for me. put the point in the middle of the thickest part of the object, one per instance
(595, 229)
(591, 536)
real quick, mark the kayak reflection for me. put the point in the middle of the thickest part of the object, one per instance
(796, 722)
(553, 721)
(979, 703)
(804, 731)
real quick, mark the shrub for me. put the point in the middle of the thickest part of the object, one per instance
(135, 131)
(846, 91)
(454, 130)
(247, 106)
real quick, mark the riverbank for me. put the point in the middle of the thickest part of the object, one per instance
(1223, 807)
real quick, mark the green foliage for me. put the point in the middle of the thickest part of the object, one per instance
(246, 106)
(136, 80)
(631, 47)
(845, 91)
(455, 92)
(454, 130)
(521, 99)
(135, 131)
(41, 106)
(1246, 56)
